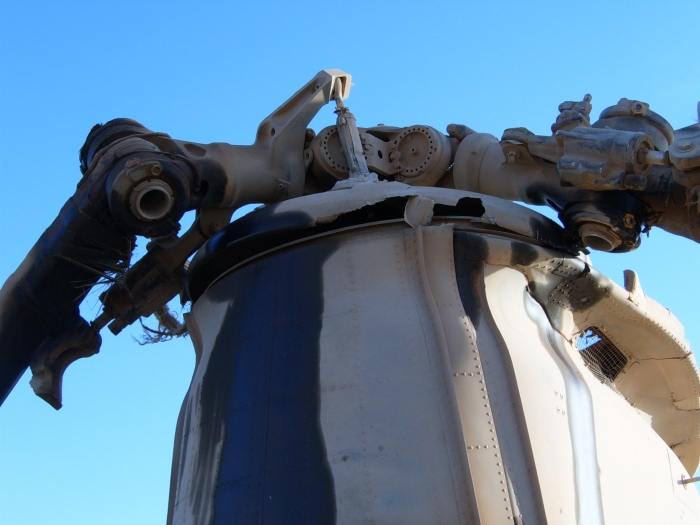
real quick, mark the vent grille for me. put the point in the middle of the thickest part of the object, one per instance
(601, 356)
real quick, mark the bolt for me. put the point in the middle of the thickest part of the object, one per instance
(131, 163)
(310, 134)
(684, 145)
(629, 221)
(599, 236)
(638, 108)
(399, 178)
(395, 155)
(156, 169)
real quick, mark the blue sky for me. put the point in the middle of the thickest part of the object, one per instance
(212, 71)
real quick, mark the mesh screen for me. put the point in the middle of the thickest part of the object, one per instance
(600, 355)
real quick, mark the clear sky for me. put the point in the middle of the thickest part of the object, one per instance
(211, 71)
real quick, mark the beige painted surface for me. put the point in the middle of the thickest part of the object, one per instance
(638, 473)
(392, 434)
(407, 411)
(542, 387)
(471, 389)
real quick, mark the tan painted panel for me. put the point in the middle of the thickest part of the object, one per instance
(667, 385)
(406, 411)
(638, 473)
(392, 434)
(542, 389)
(480, 437)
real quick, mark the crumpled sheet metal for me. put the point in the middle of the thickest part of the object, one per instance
(287, 221)
(325, 207)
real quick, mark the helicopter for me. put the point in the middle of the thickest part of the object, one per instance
(413, 346)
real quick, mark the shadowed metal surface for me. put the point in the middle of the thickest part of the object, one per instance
(503, 398)
(260, 399)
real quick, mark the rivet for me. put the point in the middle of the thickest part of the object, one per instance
(684, 145)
